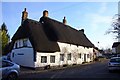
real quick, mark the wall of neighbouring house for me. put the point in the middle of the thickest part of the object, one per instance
(23, 55)
(113, 50)
(118, 49)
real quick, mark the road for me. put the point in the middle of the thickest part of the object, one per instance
(92, 70)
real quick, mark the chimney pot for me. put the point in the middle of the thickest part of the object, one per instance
(64, 20)
(45, 13)
(24, 15)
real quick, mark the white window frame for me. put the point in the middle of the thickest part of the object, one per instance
(52, 58)
(43, 59)
(61, 57)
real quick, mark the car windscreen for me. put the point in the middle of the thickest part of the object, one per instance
(6, 64)
(115, 60)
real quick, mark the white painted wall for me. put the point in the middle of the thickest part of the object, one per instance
(113, 50)
(65, 49)
(75, 51)
(26, 59)
(23, 55)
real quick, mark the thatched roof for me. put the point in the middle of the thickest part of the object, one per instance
(56, 30)
(45, 34)
(34, 31)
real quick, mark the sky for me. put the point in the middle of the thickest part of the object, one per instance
(94, 17)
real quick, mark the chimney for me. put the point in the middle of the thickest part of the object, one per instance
(24, 15)
(64, 21)
(82, 30)
(45, 13)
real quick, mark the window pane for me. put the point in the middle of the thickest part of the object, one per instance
(69, 57)
(61, 57)
(25, 42)
(13, 54)
(16, 45)
(52, 59)
(79, 55)
(88, 56)
(43, 59)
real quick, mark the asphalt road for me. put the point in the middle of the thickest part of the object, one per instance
(92, 70)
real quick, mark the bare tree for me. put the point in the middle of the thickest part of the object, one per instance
(115, 29)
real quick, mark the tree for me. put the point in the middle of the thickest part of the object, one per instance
(4, 37)
(115, 26)
(0, 43)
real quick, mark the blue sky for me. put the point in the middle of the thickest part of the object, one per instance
(94, 17)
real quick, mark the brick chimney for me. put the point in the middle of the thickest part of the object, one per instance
(64, 21)
(24, 15)
(45, 13)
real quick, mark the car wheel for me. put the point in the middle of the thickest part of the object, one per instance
(12, 76)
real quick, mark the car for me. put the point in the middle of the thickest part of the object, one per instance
(118, 55)
(10, 70)
(114, 64)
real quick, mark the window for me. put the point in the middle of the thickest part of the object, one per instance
(6, 64)
(80, 55)
(16, 45)
(69, 57)
(88, 56)
(61, 57)
(24, 42)
(43, 59)
(52, 59)
(19, 43)
(13, 54)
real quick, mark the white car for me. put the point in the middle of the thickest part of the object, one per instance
(10, 70)
(114, 64)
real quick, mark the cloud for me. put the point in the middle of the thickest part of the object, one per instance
(97, 20)
(103, 8)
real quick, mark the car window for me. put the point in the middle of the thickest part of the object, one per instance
(6, 64)
(118, 55)
(115, 60)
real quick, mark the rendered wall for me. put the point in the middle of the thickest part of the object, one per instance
(23, 55)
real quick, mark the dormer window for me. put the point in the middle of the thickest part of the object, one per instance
(24, 42)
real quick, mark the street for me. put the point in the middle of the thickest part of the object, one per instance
(90, 70)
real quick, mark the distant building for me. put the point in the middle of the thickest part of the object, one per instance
(49, 42)
(116, 47)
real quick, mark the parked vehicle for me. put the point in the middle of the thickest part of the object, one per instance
(10, 70)
(114, 64)
(118, 55)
